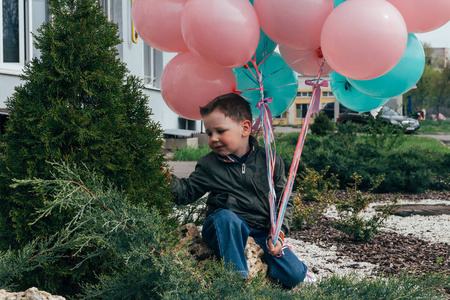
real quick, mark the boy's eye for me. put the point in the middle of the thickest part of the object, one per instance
(220, 131)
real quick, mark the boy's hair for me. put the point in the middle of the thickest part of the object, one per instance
(231, 105)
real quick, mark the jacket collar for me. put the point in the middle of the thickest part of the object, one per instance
(234, 159)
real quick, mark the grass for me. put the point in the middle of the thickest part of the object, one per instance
(413, 142)
(351, 287)
(429, 126)
(190, 153)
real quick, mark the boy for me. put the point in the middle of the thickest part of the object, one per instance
(235, 175)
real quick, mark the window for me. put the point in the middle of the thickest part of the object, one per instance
(113, 9)
(18, 19)
(304, 94)
(283, 116)
(40, 15)
(301, 110)
(12, 42)
(153, 66)
(327, 94)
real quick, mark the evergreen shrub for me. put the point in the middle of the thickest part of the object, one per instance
(322, 125)
(344, 153)
(77, 104)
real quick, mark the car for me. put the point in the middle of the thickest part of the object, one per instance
(328, 109)
(386, 114)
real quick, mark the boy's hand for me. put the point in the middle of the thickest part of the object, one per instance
(274, 250)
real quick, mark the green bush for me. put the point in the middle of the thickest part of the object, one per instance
(322, 125)
(77, 104)
(315, 193)
(405, 169)
(350, 219)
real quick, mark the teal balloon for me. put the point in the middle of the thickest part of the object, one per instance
(279, 82)
(337, 2)
(350, 97)
(401, 78)
(265, 46)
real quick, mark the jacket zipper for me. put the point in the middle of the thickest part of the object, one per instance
(246, 186)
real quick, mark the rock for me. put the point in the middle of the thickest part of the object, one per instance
(190, 236)
(30, 294)
(254, 254)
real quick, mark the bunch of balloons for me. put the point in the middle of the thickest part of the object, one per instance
(228, 46)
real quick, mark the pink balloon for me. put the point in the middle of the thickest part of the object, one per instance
(188, 82)
(364, 39)
(305, 62)
(423, 15)
(222, 32)
(158, 23)
(294, 24)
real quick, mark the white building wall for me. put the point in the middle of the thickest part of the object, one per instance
(7, 84)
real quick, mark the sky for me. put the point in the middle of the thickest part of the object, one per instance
(438, 38)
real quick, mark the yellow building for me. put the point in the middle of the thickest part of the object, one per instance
(295, 115)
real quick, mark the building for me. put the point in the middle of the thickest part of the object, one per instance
(440, 57)
(20, 18)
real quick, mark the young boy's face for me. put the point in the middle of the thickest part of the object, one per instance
(226, 136)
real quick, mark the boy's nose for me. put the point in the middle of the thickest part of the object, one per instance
(214, 137)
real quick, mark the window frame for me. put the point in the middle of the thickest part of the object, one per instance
(15, 68)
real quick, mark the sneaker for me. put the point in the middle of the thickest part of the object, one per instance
(310, 278)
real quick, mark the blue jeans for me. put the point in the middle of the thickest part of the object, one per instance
(227, 233)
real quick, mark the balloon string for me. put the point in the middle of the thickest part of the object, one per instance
(275, 230)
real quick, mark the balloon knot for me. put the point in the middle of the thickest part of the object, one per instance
(347, 86)
(319, 53)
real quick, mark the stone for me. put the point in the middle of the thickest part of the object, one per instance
(191, 237)
(30, 294)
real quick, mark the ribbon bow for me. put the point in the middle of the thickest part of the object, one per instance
(316, 93)
(263, 107)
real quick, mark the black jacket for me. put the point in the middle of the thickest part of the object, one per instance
(240, 187)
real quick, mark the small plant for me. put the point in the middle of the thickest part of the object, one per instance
(383, 135)
(322, 125)
(314, 195)
(350, 208)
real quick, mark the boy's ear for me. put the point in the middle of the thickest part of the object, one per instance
(246, 128)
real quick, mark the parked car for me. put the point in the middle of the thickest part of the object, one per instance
(328, 109)
(386, 114)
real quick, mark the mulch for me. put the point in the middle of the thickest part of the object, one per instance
(393, 253)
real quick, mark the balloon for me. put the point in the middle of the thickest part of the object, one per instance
(158, 23)
(401, 78)
(305, 62)
(338, 2)
(265, 48)
(279, 82)
(188, 82)
(294, 24)
(222, 32)
(350, 97)
(423, 15)
(364, 39)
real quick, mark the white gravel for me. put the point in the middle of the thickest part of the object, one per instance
(325, 262)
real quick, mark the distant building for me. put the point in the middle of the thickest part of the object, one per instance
(440, 57)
